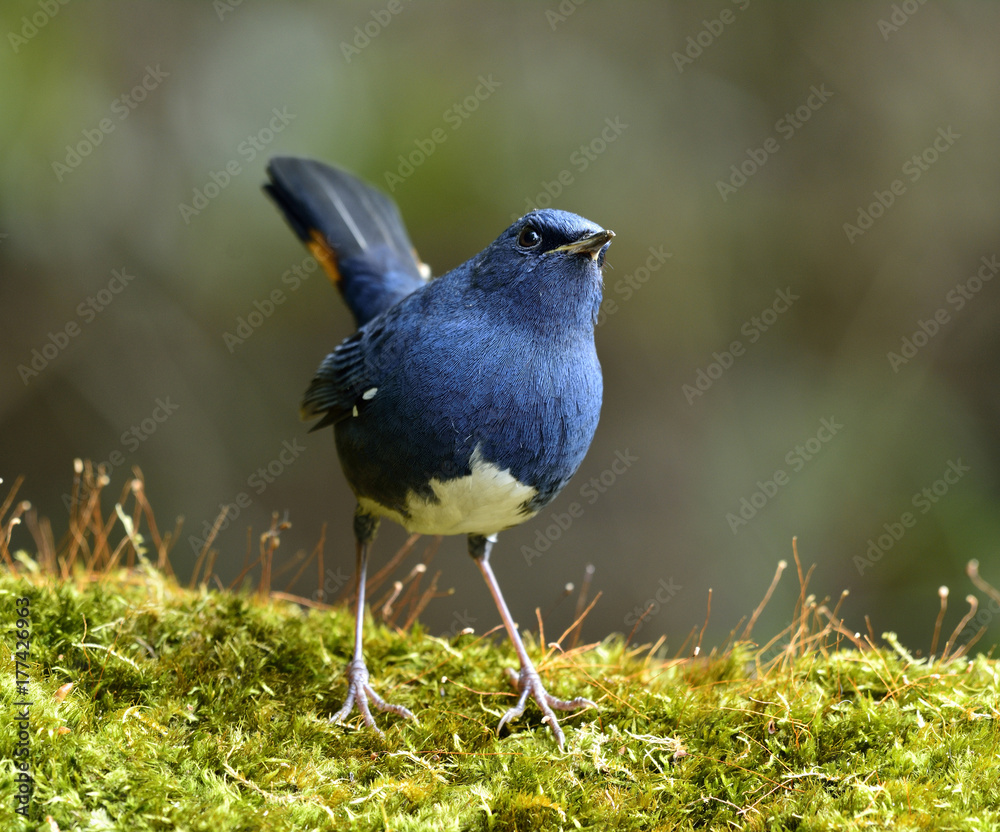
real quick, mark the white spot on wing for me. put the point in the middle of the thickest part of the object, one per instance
(368, 395)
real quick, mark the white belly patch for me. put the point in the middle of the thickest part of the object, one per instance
(486, 501)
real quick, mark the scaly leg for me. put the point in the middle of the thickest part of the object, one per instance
(527, 682)
(359, 691)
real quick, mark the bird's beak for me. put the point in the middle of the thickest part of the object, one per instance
(591, 245)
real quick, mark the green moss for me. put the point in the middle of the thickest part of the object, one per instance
(208, 711)
(157, 708)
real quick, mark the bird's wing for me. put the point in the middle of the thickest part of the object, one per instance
(338, 387)
(352, 229)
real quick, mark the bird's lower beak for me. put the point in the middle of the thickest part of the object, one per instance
(592, 244)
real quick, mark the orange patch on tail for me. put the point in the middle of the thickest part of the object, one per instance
(325, 255)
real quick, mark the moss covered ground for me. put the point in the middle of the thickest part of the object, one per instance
(157, 706)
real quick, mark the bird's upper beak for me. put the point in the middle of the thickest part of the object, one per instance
(591, 244)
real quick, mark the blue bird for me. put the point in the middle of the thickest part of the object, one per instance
(462, 404)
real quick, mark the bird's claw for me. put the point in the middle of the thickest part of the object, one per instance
(360, 692)
(529, 682)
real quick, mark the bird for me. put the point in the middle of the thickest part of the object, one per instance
(462, 404)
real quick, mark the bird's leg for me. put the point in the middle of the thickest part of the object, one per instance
(527, 682)
(359, 691)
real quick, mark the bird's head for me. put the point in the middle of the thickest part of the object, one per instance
(548, 264)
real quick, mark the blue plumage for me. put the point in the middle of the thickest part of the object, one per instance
(496, 355)
(354, 231)
(464, 404)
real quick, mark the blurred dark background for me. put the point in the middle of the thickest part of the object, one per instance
(800, 191)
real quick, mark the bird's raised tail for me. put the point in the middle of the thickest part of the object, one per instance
(353, 230)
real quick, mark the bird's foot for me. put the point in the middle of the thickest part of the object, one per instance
(528, 682)
(359, 693)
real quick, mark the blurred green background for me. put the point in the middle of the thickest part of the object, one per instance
(796, 188)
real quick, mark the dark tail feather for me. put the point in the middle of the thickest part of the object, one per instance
(353, 230)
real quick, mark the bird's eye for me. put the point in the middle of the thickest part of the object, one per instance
(529, 237)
